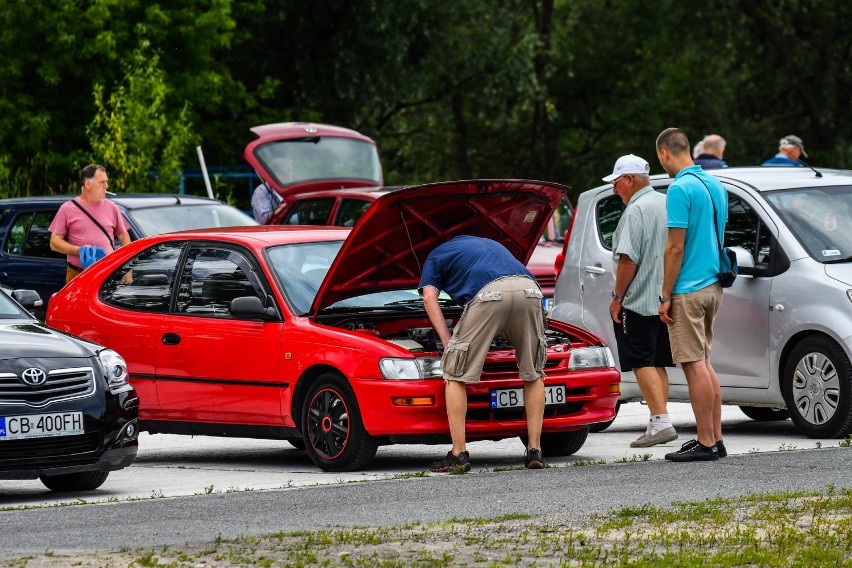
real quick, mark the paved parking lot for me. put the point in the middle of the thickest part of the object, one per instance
(170, 465)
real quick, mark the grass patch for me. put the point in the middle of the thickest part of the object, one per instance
(775, 529)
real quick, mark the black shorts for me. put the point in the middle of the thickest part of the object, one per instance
(643, 341)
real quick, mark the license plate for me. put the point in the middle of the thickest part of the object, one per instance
(41, 425)
(511, 398)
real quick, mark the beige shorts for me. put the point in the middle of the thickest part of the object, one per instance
(510, 307)
(691, 332)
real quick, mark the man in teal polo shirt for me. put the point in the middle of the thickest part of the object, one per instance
(691, 293)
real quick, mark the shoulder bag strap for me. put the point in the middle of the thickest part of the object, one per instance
(95, 221)
(713, 203)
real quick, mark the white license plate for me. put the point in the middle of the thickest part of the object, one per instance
(511, 398)
(41, 425)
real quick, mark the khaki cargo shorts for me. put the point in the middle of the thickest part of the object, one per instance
(691, 332)
(510, 307)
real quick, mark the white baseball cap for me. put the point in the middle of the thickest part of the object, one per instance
(629, 164)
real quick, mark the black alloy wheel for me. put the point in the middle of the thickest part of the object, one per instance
(817, 387)
(334, 434)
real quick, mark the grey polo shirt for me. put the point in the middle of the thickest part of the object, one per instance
(641, 234)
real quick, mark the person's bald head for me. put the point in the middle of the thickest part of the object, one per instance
(714, 145)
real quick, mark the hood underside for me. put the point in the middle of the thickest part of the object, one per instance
(389, 244)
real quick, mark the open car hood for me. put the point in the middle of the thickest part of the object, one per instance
(389, 244)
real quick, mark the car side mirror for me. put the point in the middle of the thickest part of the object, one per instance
(251, 307)
(29, 299)
(745, 262)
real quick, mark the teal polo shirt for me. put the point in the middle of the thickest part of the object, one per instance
(689, 206)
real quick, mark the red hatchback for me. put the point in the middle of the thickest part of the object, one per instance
(317, 335)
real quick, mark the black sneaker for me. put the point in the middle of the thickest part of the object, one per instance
(450, 462)
(723, 452)
(533, 459)
(694, 451)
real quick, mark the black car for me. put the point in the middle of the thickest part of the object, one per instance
(68, 415)
(26, 260)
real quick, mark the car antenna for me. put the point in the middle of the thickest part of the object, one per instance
(818, 173)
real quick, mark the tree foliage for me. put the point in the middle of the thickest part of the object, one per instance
(547, 89)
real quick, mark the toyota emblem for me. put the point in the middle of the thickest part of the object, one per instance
(33, 377)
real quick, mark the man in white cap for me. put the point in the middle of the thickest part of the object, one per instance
(790, 151)
(637, 253)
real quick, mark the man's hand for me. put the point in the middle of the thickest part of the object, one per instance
(664, 312)
(615, 311)
(436, 316)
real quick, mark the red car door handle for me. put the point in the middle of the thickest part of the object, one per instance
(171, 339)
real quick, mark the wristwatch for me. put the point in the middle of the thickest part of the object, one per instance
(665, 299)
(616, 296)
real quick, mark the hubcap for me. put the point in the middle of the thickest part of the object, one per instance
(816, 388)
(328, 424)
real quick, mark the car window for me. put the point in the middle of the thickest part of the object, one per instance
(29, 235)
(145, 282)
(309, 212)
(608, 212)
(212, 277)
(350, 211)
(745, 229)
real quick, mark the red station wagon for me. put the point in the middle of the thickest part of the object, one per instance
(317, 335)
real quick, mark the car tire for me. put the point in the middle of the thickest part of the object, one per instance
(817, 387)
(601, 426)
(763, 414)
(333, 431)
(561, 443)
(84, 481)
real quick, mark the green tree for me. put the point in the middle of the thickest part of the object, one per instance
(135, 134)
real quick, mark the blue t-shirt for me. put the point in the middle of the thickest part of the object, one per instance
(782, 160)
(464, 265)
(688, 206)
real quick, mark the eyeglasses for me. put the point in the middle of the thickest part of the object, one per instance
(615, 182)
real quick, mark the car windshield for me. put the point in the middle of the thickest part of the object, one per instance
(320, 158)
(301, 268)
(158, 220)
(8, 308)
(816, 216)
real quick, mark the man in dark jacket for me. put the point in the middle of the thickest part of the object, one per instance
(711, 156)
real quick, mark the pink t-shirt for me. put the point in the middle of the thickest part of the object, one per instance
(76, 227)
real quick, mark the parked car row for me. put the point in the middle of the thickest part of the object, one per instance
(783, 336)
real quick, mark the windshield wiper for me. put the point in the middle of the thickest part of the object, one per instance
(838, 260)
(419, 302)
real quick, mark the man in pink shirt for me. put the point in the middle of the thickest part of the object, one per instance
(87, 220)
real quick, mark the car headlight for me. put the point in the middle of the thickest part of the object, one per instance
(115, 370)
(408, 369)
(584, 358)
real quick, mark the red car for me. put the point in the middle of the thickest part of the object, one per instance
(332, 175)
(317, 335)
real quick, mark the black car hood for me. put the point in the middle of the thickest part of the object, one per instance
(22, 338)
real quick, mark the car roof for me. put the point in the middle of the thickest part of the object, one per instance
(764, 178)
(126, 200)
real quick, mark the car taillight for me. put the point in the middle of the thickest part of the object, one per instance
(560, 258)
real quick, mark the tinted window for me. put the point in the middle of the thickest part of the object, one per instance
(309, 212)
(608, 213)
(28, 235)
(145, 283)
(350, 211)
(212, 277)
(745, 229)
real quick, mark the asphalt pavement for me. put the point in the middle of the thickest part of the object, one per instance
(185, 489)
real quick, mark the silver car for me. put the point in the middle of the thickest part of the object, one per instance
(783, 336)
